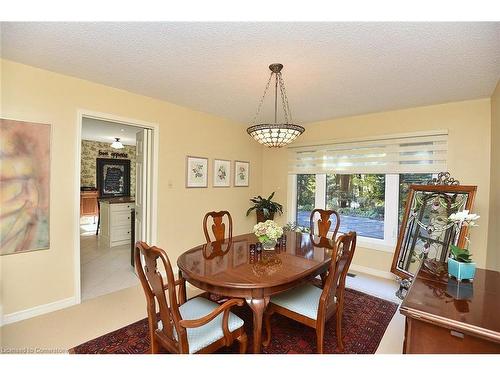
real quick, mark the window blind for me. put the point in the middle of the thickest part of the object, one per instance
(403, 153)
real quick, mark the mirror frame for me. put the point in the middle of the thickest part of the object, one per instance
(441, 187)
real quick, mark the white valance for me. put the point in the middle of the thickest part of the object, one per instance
(423, 152)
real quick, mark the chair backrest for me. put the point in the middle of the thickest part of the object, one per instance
(337, 272)
(324, 222)
(154, 288)
(218, 226)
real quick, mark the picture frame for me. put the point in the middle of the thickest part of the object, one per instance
(241, 173)
(428, 207)
(221, 173)
(196, 172)
(113, 177)
(26, 159)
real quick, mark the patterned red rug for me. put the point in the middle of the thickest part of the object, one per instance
(364, 323)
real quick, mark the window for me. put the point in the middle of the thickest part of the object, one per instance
(405, 180)
(360, 201)
(306, 193)
(365, 180)
(370, 204)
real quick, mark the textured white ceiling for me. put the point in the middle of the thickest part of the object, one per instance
(331, 69)
(106, 131)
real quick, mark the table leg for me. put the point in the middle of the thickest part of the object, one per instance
(258, 306)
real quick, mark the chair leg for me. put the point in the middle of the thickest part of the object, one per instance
(242, 342)
(320, 335)
(323, 279)
(154, 345)
(340, 344)
(267, 324)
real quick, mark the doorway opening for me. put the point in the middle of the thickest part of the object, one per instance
(116, 192)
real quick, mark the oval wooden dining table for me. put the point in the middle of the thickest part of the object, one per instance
(229, 269)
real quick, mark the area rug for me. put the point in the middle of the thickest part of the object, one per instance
(364, 322)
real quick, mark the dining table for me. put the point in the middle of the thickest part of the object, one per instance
(237, 268)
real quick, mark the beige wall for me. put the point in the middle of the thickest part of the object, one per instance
(494, 225)
(468, 124)
(31, 94)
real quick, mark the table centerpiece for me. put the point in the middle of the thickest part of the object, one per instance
(268, 232)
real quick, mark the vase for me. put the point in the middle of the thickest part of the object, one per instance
(269, 244)
(261, 217)
(461, 271)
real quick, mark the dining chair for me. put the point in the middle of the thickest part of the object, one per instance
(218, 226)
(324, 223)
(313, 306)
(183, 326)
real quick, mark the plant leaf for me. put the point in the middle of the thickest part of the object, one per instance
(250, 210)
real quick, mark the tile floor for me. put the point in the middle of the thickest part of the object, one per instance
(103, 270)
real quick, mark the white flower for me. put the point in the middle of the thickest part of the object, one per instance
(463, 217)
(269, 229)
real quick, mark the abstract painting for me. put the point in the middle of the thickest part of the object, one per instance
(24, 186)
(196, 172)
(222, 173)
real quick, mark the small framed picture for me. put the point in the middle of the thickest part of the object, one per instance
(222, 173)
(241, 173)
(196, 172)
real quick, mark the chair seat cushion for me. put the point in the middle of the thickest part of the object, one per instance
(201, 337)
(303, 300)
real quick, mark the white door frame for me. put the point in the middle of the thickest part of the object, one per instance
(81, 113)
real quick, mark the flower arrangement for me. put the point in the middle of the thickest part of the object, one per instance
(198, 170)
(460, 263)
(267, 232)
(221, 173)
(463, 218)
(294, 227)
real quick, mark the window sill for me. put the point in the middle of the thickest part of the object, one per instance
(373, 244)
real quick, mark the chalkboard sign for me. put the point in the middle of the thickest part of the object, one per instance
(113, 177)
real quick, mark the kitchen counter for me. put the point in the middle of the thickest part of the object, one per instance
(115, 200)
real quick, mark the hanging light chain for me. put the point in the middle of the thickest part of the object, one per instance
(284, 98)
(275, 134)
(262, 98)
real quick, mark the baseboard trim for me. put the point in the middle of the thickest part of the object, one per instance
(37, 310)
(372, 271)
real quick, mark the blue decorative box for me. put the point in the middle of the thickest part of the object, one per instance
(461, 271)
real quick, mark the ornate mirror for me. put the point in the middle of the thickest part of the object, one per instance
(425, 233)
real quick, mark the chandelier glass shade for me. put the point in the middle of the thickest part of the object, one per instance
(276, 135)
(117, 144)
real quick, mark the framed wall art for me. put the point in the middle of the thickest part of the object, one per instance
(241, 173)
(113, 177)
(222, 173)
(196, 172)
(25, 176)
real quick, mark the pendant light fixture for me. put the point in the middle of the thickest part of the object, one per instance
(275, 135)
(117, 144)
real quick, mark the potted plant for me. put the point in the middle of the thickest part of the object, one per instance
(265, 208)
(460, 264)
(267, 233)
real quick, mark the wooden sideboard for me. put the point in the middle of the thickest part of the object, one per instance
(444, 316)
(88, 203)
